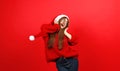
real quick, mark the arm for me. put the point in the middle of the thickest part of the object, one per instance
(45, 30)
(72, 39)
(67, 34)
(49, 28)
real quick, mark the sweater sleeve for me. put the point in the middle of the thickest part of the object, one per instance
(48, 28)
(74, 43)
(74, 40)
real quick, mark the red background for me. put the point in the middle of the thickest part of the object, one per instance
(96, 21)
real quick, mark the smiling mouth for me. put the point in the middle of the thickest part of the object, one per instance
(62, 25)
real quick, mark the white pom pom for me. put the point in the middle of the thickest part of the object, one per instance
(31, 37)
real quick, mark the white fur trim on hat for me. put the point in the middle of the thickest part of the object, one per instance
(56, 20)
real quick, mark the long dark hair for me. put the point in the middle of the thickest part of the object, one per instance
(60, 36)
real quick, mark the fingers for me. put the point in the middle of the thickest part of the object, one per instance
(66, 30)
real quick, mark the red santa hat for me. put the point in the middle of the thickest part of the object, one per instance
(56, 20)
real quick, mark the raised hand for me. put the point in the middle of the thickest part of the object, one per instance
(67, 34)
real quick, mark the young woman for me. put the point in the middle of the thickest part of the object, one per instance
(61, 46)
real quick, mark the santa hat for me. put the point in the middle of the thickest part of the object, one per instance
(56, 20)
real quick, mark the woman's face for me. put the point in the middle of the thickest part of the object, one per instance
(63, 22)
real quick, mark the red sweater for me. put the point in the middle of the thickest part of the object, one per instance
(70, 47)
